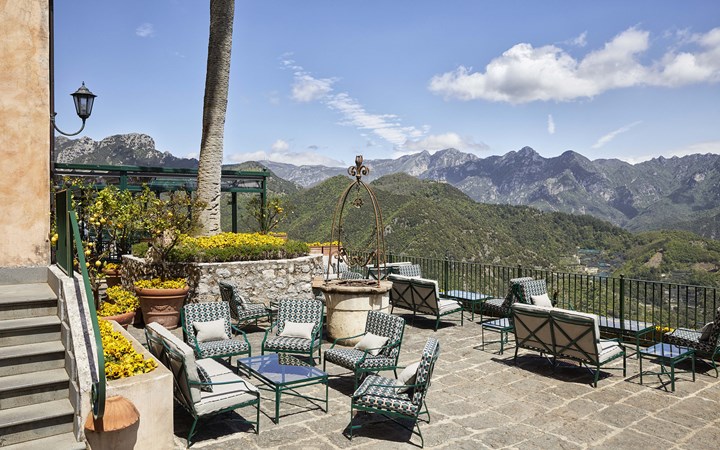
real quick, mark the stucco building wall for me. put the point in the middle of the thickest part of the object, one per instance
(24, 133)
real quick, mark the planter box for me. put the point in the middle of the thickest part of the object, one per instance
(152, 395)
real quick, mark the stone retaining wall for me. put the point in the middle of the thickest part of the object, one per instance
(258, 280)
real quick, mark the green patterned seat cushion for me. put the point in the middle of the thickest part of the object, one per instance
(384, 397)
(350, 357)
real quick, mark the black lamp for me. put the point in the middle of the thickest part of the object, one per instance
(84, 100)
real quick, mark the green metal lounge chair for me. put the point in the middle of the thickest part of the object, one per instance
(395, 399)
(203, 387)
(362, 362)
(422, 296)
(705, 343)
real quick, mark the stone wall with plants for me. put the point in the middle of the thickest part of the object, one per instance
(264, 281)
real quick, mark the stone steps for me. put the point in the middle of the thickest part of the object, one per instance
(35, 408)
(26, 358)
(36, 387)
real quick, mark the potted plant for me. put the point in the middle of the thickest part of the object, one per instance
(166, 219)
(112, 274)
(120, 306)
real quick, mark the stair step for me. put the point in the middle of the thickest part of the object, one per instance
(65, 441)
(20, 359)
(30, 388)
(29, 330)
(38, 421)
(19, 301)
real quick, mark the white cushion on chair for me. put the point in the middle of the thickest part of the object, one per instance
(213, 330)
(298, 329)
(371, 342)
(407, 377)
(541, 300)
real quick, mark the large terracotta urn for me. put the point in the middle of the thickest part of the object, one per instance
(162, 305)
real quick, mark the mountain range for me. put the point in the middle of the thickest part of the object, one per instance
(662, 193)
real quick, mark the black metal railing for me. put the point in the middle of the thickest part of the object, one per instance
(664, 304)
(70, 249)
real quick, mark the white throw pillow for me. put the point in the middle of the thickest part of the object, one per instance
(213, 330)
(706, 331)
(371, 342)
(541, 300)
(407, 377)
(297, 329)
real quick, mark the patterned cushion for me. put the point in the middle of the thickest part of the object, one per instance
(299, 311)
(383, 324)
(383, 397)
(382, 393)
(204, 378)
(513, 295)
(349, 275)
(409, 270)
(241, 309)
(204, 312)
(349, 357)
(214, 349)
(288, 344)
(530, 288)
(494, 307)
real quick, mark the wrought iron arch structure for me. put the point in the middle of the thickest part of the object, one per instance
(378, 253)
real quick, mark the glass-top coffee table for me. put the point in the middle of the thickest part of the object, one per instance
(667, 354)
(632, 328)
(502, 326)
(468, 299)
(284, 373)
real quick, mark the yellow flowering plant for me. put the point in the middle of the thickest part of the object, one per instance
(159, 283)
(120, 301)
(121, 359)
(236, 247)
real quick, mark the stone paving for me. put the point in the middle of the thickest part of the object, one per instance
(480, 399)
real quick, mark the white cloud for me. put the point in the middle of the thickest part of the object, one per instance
(437, 142)
(280, 146)
(610, 136)
(525, 74)
(579, 41)
(145, 30)
(551, 124)
(307, 88)
(296, 158)
(701, 148)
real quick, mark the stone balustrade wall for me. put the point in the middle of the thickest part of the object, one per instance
(258, 280)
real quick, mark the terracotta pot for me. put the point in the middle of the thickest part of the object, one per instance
(162, 305)
(122, 319)
(112, 277)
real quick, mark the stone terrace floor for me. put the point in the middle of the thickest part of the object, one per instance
(479, 399)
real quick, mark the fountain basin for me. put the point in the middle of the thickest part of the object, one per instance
(347, 303)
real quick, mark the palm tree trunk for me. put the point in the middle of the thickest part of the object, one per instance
(217, 80)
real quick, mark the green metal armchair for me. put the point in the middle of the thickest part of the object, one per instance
(393, 398)
(297, 329)
(370, 360)
(242, 310)
(208, 330)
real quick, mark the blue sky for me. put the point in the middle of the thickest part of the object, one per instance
(319, 81)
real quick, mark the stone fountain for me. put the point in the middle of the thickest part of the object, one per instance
(348, 301)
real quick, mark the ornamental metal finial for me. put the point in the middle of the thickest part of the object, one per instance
(359, 170)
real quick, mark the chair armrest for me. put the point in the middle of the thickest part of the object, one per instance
(251, 388)
(267, 332)
(241, 332)
(366, 352)
(346, 338)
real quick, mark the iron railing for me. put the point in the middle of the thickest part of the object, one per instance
(69, 249)
(664, 304)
